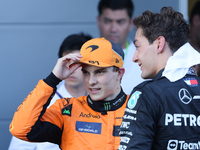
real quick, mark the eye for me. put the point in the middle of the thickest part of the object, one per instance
(121, 22)
(85, 72)
(100, 72)
(107, 21)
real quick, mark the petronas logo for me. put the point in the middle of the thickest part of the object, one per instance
(66, 112)
(107, 106)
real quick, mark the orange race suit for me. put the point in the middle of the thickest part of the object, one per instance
(71, 123)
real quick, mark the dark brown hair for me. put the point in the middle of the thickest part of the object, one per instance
(168, 23)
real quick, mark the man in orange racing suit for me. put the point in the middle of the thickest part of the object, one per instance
(88, 122)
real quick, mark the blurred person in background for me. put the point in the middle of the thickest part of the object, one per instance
(114, 22)
(195, 31)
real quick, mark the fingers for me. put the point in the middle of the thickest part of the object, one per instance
(74, 67)
(62, 69)
(72, 56)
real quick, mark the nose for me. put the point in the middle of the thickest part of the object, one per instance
(135, 57)
(113, 27)
(92, 80)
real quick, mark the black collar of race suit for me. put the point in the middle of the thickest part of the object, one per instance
(104, 106)
(158, 75)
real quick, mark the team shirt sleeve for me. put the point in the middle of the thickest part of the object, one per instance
(138, 127)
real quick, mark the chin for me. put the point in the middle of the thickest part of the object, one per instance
(96, 98)
(147, 76)
(144, 76)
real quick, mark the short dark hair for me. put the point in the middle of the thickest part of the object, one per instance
(168, 23)
(115, 5)
(73, 42)
(195, 11)
(115, 69)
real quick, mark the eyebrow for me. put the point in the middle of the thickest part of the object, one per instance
(83, 69)
(119, 19)
(101, 69)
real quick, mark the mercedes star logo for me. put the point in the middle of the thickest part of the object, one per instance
(185, 96)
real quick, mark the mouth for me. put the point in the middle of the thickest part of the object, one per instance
(140, 65)
(113, 37)
(71, 78)
(94, 90)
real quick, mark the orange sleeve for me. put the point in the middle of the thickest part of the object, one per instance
(31, 110)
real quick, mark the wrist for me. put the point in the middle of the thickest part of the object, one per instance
(52, 80)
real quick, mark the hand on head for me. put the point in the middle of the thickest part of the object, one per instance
(62, 69)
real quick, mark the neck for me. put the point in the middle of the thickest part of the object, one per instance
(104, 106)
(116, 91)
(163, 58)
(76, 91)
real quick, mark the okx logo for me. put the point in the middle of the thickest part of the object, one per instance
(107, 106)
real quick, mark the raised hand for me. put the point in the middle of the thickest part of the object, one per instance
(63, 69)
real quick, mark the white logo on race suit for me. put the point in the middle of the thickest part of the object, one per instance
(173, 145)
(182, 119)
(125, 132)
(185, 96)
(125, 125)
(131, 111)
(133, 100)
(129, 117)
(125, 139)
(122, 147)
(196, 97)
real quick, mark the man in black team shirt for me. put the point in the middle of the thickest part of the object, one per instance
(163, 113)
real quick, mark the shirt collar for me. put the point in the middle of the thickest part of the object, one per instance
(104, 106)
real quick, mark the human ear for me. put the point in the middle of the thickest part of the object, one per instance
(121, 72)
(160, 41)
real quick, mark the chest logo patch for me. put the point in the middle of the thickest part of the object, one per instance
(185, 96)
(133, 100)
(191, 81)
(67, 110)
(88, 127)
